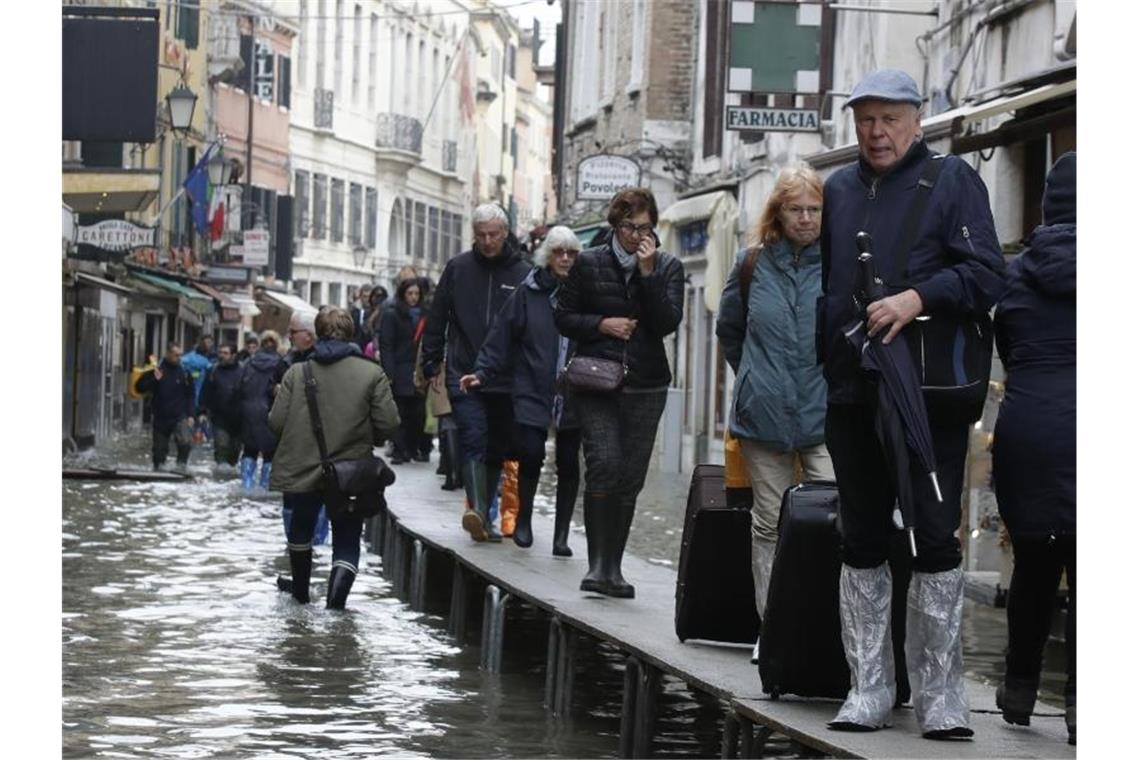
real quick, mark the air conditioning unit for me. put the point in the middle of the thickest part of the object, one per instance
(827, 133)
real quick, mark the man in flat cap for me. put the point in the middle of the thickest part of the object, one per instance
(937, 253)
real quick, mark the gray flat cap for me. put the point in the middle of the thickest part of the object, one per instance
(886, 84)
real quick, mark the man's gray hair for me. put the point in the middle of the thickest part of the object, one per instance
(489, 212)
(305, 321)
(559, 236)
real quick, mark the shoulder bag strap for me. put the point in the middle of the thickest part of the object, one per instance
(315, 414)
(914, 216)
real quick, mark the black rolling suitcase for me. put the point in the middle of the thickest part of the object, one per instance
(715, 600)
(801, 651)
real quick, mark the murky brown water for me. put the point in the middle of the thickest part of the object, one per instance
(177, 644)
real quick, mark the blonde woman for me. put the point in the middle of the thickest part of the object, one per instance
(766, 327)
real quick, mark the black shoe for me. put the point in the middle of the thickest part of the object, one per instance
(301, 563)
(474, 483)
(524, 536)
(1016, 698)
(593, 511)
(421, 457)
(398, 459)
(284, 585)
(942, 734)
(618, 519)
(563, 511)
(340, 583)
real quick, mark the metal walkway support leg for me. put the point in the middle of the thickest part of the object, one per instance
(753, 738)
(419, 576)
(730, 738)
(494, 618)
(561, 644)
(457, 614)
(639, 708)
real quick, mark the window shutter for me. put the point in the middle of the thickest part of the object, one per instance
(247, 61)
(284, 86)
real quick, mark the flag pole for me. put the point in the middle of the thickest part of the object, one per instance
(182, 188)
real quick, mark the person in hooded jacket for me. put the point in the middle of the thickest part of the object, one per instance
(258, 383)
(1035, 443)
(472, 288)
(780, 396)
(357, 412)
(525, 343)
(619, 303)
(401, 328)
(172, 406)
(220, 398)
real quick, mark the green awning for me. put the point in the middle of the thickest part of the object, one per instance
(197, 302)
(586, 234)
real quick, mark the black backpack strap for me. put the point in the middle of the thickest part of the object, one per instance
(315, 414)
(744, 276)
(914, 217)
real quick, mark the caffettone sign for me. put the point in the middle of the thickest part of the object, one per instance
(599, 177)
(115, 235)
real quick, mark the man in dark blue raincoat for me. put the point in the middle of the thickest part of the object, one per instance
(953, 270)
(172, 406)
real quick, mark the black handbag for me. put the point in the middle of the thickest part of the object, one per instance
(953, 353)
(351, 486)
(595, 375)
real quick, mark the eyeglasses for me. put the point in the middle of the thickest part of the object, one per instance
(567, 253)
(639, 229)
(798, 211)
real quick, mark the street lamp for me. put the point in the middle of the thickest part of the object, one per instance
(217, 169)
(359, 256)
(180, 107)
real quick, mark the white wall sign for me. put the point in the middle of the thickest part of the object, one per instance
(772, 119)
(115, 235)
(255, 248)
(599, 177)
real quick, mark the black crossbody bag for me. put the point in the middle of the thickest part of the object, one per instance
(351, 486)
(953, 352)
(594, 375)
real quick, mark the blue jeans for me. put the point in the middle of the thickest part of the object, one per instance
(345, 530)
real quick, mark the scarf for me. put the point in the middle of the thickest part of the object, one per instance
(627, 262)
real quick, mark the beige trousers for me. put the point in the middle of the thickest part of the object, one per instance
(773, 472)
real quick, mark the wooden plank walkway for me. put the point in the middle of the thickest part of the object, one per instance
(419, 512)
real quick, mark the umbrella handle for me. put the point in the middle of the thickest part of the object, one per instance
(913, 547)
(937, 490)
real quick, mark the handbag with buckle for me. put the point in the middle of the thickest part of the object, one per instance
(592, 374)
(350, 486)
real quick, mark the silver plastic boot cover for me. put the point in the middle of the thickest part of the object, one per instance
(865, 623)
(763, 553)
(934, 650)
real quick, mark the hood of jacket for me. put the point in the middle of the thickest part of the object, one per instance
(1050, 262)
(265, 361)
(1059, 204)
(541, 279)
(330, 351)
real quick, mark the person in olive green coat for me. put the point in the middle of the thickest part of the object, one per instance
(357, 412)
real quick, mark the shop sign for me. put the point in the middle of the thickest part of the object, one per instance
(599, 177)
(226, 274)
(255, 248)
(115, 235)
(772, 119)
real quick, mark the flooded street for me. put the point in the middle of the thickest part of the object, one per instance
(177, 644)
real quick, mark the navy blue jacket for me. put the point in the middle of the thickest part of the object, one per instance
(258, 378)
(1035, 328)
(523, 345)
(596, 289)
(955, 263)
(779, 398)
(220, 396)
(397, 348)
(173, 399)
(470, 293)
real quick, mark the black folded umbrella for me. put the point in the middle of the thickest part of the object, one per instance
(900, 418)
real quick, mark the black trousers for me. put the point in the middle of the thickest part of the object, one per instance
(531, 451)
(618, 431)
(1037, 565)
(413, 414)
(867, 491)
(160, 443)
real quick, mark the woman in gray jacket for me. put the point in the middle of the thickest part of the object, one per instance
(766, 327)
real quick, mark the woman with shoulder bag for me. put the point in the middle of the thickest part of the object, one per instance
(356, 412)
(766, 328)
(618, 304)
(401, 326)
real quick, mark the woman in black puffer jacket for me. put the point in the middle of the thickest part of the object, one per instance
(400, 331)
(1035, 443)
(620, 301)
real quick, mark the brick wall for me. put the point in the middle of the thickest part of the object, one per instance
(671, 48)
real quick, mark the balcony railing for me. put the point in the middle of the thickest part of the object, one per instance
(323, 101)
(394, 130)
(450, 155)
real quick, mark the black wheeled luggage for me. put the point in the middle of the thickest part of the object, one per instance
(801, 651)
(715, 600)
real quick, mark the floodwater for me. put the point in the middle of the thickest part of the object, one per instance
(177, 644)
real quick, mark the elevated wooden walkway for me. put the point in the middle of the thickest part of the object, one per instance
(426, 552)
